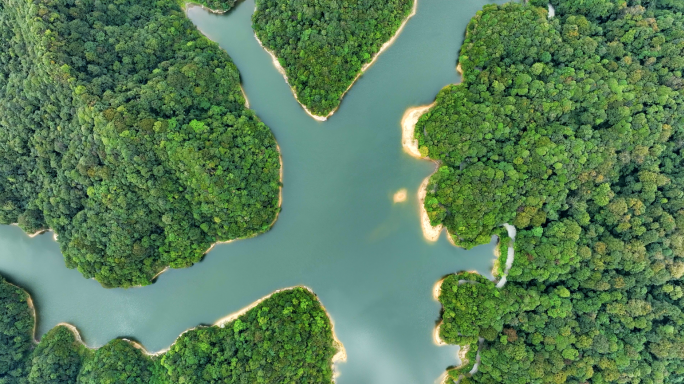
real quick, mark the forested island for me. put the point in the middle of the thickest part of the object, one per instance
(125, 131)
(286, 338)
(324, 45)
(571, 129)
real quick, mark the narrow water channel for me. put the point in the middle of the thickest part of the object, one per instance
(339, 233)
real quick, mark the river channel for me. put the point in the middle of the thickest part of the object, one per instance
(339, 233)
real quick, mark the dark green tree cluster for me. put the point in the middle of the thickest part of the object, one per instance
(286, 338)
(571, 129)
(119, 361)
(323, 44)
(16, 334)
(124, 130)
(58, 358)
(471, 303)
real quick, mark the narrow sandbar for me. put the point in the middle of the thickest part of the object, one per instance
(410, 146)
(429, 232)
(436, 289)
(408, 126)
(340, 356)
(435, 336)
(245, 96)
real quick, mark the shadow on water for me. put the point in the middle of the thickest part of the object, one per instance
(339, 231)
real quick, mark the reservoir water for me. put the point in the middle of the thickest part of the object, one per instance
(339, 233)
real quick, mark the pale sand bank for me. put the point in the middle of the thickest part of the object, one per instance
(365, 67)
(245, 96)
(32, 235)
(400, 196)
(429, 232)
(435, 336)
(408, 125)
(436, 288)
(410, 146)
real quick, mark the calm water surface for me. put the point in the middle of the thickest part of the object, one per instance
(339, 231)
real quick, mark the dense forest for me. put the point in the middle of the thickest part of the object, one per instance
(16, 334)
(323, 44)
(570, 128)
(286, 338)
(125, 131)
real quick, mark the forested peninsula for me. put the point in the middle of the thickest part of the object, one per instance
(571, 129)
(125, 131)
(287, 337)
(325, 45)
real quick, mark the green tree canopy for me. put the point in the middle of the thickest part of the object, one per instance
(570, 129)
(125, 131)
(285, 338)
(323, 44)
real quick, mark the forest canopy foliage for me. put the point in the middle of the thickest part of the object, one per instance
(323, 44)
(571, 129)
(16, 333)
(287, 338)
(125, 131)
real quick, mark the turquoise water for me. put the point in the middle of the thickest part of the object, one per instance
(339, 231)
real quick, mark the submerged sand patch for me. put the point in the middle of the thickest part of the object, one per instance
(400, 196)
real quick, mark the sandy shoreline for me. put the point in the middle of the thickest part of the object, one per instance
(429, 232)
(245, 96)
(408, 124)
(500, 284)
(42, 231)
(436, 289)
(365, 67)
(435, 336)
(410, 145)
